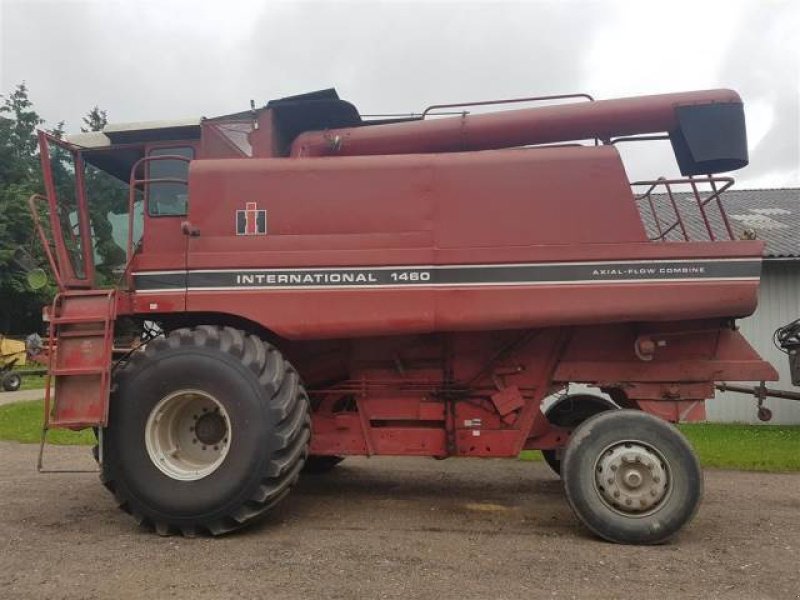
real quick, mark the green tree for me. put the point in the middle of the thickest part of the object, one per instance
(95, 120)
(20, 177)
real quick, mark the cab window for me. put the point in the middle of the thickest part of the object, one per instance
(168, 198)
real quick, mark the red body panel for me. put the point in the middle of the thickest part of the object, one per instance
(555, 205)
(430, 297)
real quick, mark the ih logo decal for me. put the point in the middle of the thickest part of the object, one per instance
(251, 220)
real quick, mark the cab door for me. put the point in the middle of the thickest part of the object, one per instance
(163, 176)
(70, 231)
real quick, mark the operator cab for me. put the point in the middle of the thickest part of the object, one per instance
(104, 186)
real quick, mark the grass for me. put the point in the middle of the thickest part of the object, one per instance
(22, 422)
(32, 382)
(745, 447)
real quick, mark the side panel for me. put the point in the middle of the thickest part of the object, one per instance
(451, 395)
(480, 394)
(332, 309)
(412, 244)
(655, 353)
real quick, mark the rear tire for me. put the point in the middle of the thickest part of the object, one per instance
(631, 478)
(12, 382)
(553, 460)
(208, 430)
(569, 412)
(317, 465)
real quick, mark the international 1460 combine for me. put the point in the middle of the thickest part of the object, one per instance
(303, 285)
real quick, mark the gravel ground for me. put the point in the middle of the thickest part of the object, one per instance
(393, 528)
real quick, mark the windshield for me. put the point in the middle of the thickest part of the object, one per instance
(107, 199)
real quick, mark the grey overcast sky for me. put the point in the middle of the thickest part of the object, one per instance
(160, 59)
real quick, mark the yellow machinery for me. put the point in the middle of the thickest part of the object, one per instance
(12, 354)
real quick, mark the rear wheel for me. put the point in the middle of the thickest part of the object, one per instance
(208, 430)
(631, 477)
(12, 382)
(569, 412)
(553, 460)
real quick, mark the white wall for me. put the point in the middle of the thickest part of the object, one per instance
(779, 303)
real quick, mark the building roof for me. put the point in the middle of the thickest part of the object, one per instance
(773, 215)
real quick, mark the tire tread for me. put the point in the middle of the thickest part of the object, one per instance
(288, 404)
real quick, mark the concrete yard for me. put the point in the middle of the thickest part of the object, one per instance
(20, 396)
(393, 528)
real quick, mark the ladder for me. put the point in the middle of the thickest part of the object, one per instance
(79, 371)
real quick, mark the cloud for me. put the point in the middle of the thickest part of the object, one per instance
(764, 65)
(159, 59)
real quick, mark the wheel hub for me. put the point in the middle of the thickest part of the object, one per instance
(632, 478)
(188, 434)
(210, 429)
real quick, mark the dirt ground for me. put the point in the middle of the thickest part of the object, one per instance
(393, 528)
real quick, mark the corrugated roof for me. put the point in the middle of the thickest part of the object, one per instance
(772, 214)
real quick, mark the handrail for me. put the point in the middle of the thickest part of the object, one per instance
(722, 212)
(691, 181)
(133, 183)
(433, 107)
(505, 101)
(43, 238)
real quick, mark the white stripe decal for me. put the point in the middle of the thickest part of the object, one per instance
(443, 285)
(600, 263)
(459, 276)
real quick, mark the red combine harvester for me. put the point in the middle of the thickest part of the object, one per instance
(305, 285)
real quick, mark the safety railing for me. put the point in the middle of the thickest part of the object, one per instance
(692, 214)
(437, 107)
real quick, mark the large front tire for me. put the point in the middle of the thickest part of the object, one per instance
(631, 478)
(208, 430)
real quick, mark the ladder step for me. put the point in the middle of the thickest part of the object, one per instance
(82, 333)
(81, 319)
(58, 372)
